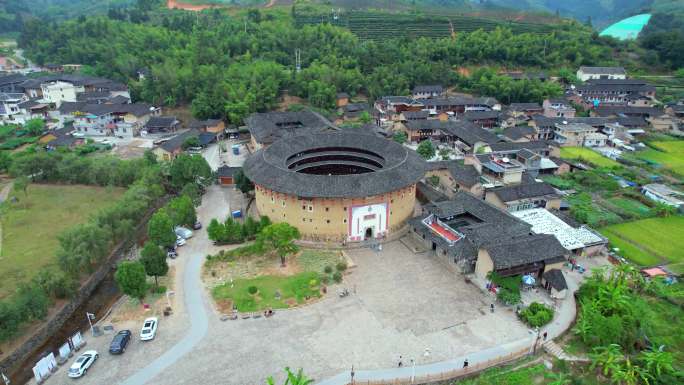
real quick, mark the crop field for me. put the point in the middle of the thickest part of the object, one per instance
(670, 155)
(376, 25)
(650, 241)
(30, 226)
(587, 155)
(630, 206)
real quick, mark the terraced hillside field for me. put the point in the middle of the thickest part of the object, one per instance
(377, 25)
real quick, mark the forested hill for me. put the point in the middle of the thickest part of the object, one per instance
(229, 66)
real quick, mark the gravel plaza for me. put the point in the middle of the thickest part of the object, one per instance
(401, 304)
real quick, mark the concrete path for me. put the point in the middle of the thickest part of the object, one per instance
(565, 315)
(193, 292)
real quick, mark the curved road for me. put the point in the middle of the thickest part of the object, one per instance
(193, 289)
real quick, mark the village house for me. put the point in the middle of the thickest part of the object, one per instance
(453, 177)
(9, 107)
(470, 235)
(620, 92)
(578, 135)
(214, 126)
(588, 73)
(461, 104)
(497, 170)
(663, 194)
(483, 119)
(341, 99)
(558, 108)
(576, 239)
(524, 196)
(427, 91)
(520, 133)
(169, 149)
(161, 125)
(123, 120)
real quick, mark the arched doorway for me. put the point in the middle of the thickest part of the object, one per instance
(369, 233)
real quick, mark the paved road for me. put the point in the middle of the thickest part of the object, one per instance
(195, 304)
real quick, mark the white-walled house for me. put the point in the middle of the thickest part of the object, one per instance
(588, 73)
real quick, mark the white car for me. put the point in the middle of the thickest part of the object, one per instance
(183, 232)
(149, 329)
(83, 362)
(180, 241)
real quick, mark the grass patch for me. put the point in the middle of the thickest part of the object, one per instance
(587, 155)
(30, 226)
(647, 241)
(294, 289)
(508, 376)
(668, 154)
(631, 206)
(585, 210)
(317, 260)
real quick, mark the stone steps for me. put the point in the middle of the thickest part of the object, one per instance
(555, 350)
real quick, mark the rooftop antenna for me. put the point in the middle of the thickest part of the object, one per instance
(298, 59)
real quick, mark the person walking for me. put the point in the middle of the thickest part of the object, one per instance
(491, 308)
(465, 364)
(400, 363)
(545, 335)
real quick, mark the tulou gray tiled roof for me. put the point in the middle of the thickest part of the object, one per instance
(268, 127)
(516, 146)
(466, 175)
(401, 167)
(602, 70)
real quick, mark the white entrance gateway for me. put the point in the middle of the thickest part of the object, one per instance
(368, 221)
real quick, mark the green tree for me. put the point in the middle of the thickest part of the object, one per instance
(190, 142)
(657, 362)
(131, 278)
(298, 378)
(22, 183)
(191, 190)
(365, 117)
(5, 161)
(400, 137)
(609, 358)
(242, 182)
(279, 237)
(35, 127)
(182, 212)
(160, 229)
(426, 149)
(10, 319)
(153, 259)
(190, 169)
(216, 231)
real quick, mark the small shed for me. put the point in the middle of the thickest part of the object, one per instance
(226, 175)
(342, 99)
(554, 281)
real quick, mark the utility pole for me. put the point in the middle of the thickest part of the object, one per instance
(91, 317)
(298, 59)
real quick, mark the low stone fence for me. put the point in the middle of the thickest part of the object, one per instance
(447, 375)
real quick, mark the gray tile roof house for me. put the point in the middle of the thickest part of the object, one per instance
(525, 107)
(556, 279)
(416, 115)
(162, 124)
(268, 127)
(519, 132)
(177, 141)
(524, 191)
(537, 146)
(526, 250)
(509, 242)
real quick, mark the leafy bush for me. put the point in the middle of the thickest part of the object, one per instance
(537, 314)
(341, 266)
(160, 289)
(337, 277)
(509, 288)
(325, 279)
(252, 290)
(231, 231)
(328, 269)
